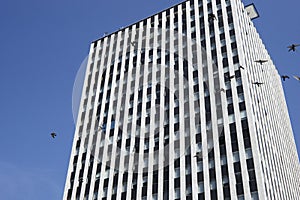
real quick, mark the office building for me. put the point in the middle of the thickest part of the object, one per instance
(184, 104)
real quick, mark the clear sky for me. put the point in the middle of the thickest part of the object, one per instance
(42, 44)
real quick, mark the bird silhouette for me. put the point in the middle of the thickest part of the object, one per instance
(221, 90)
(230, 77)
(241, 67)
(53, 135)
(297, 77)
(261, 61)
(257, 83)
(212, 17)
(102, 127)
(198, 155)
(133, 43)
(285, 77)
(292, 47)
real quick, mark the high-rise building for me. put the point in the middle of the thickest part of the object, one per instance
(185, 104)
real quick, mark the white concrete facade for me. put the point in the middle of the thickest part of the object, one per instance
(171, 87)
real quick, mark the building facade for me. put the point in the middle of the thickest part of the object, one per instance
(176, 106)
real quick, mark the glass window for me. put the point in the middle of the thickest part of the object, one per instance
(177, 193)
(230, 109)
(201, 187)
(176, 172)
(213, 185)
(248, 153)
(236, 156)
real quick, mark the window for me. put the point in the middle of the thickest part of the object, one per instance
(235, 59)
(240, 89)
(251, 174)
(236, 156)
(253, 185)
(188, 180)
(201, 187)
(176, 172)
(230, 109)
(235, 146)
(214, 194)
(223, 150)
(223, 160)
(225, 62)
(177, 193)
(242, 106)
(239, 188)
(226, 191)
(248, 153)
(223, 49)
(154, 197)
(237, 167)
(250, 164)
(177, 183)
(213, 185)
(247, 143)
(233, 45)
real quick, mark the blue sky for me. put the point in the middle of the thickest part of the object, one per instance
(42, 44)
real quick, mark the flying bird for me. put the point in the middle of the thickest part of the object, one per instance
(212, 17)
(102, 127)
(292, 47)
(53, 135)
(297, 77)
(230, 77)
(221, 90)
(241, 67)
(133, 43)
(285, 77)
(261, 61)
(198, 155)
(257, 83)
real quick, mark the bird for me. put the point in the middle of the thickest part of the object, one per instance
(241, 67)
(292, 47)
(257, 83)
(297, 77)
(285, 77)
(198, 155)
(133, 43)
(230, 77)
(102, 127)
(133, 186)
(212, 17)
(53, 135)
(222, 90)
(261, 61)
